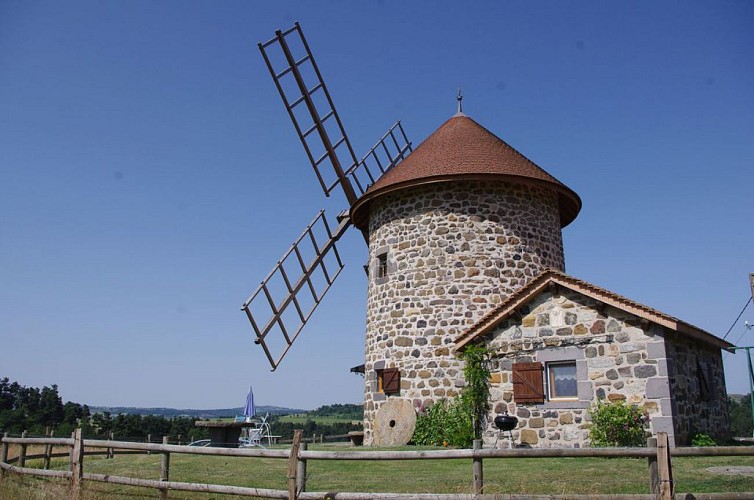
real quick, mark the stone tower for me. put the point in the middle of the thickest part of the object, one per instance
(457, 226)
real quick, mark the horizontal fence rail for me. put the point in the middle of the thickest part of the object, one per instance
(39, 441)
(181, 486)
(657, 454)
(189, 450)
(482, 453)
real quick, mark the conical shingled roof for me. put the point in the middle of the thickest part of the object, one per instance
(462, 149)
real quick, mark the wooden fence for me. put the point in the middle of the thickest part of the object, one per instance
(657, 453)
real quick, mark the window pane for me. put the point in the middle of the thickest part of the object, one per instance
(382, 265)
(563, 381)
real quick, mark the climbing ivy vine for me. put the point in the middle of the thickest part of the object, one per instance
(476, 392)
(462, 419)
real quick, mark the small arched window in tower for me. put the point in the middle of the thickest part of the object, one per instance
(381, 265)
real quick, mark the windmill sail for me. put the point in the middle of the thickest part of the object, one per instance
(389, 150)
(287, 297)
(310, 107)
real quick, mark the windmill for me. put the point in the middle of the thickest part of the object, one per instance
(285, 300)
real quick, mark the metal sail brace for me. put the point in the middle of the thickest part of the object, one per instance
(287, 297)
(310, 107)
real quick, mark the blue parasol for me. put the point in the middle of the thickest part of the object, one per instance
(249, 410)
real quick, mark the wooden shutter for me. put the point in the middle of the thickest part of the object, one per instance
(528, 384)
(391, 380)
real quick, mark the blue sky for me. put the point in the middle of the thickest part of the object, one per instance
(150, 178)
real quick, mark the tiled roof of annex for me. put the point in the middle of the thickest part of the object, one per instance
(551, 277)
(462, 149)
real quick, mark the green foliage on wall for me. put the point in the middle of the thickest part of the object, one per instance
(476, 392)
(462, 419)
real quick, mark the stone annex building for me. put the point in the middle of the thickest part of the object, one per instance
(465, 246)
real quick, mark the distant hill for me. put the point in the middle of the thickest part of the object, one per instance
(347, 411)
(173, 412)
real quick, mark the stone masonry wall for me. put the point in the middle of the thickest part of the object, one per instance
(453, 252)
(697, 409)
(618, 358)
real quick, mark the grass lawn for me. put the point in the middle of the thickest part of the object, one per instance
(514, 475)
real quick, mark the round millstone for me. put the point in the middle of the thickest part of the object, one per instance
(394, 423)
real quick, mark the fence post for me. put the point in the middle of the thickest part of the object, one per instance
(48, 450)
(665, 469)
(164, 468)
(301, 471)
(111, 451)
(292, 464)
(4, 454)
(477, 469)
(77, 464)
(45, 464)
(654, 477)
(22, 452)
(149, 440)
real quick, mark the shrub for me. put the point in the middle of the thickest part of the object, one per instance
(445, 423)
(617, 424)
(701, 439)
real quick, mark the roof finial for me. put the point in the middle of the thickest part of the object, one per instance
(459, 98)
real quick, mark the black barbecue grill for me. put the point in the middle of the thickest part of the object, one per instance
(505, 423)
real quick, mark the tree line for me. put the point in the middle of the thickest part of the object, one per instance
(39, 411)
(29, 408)
(352, 411)
(740, 416)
